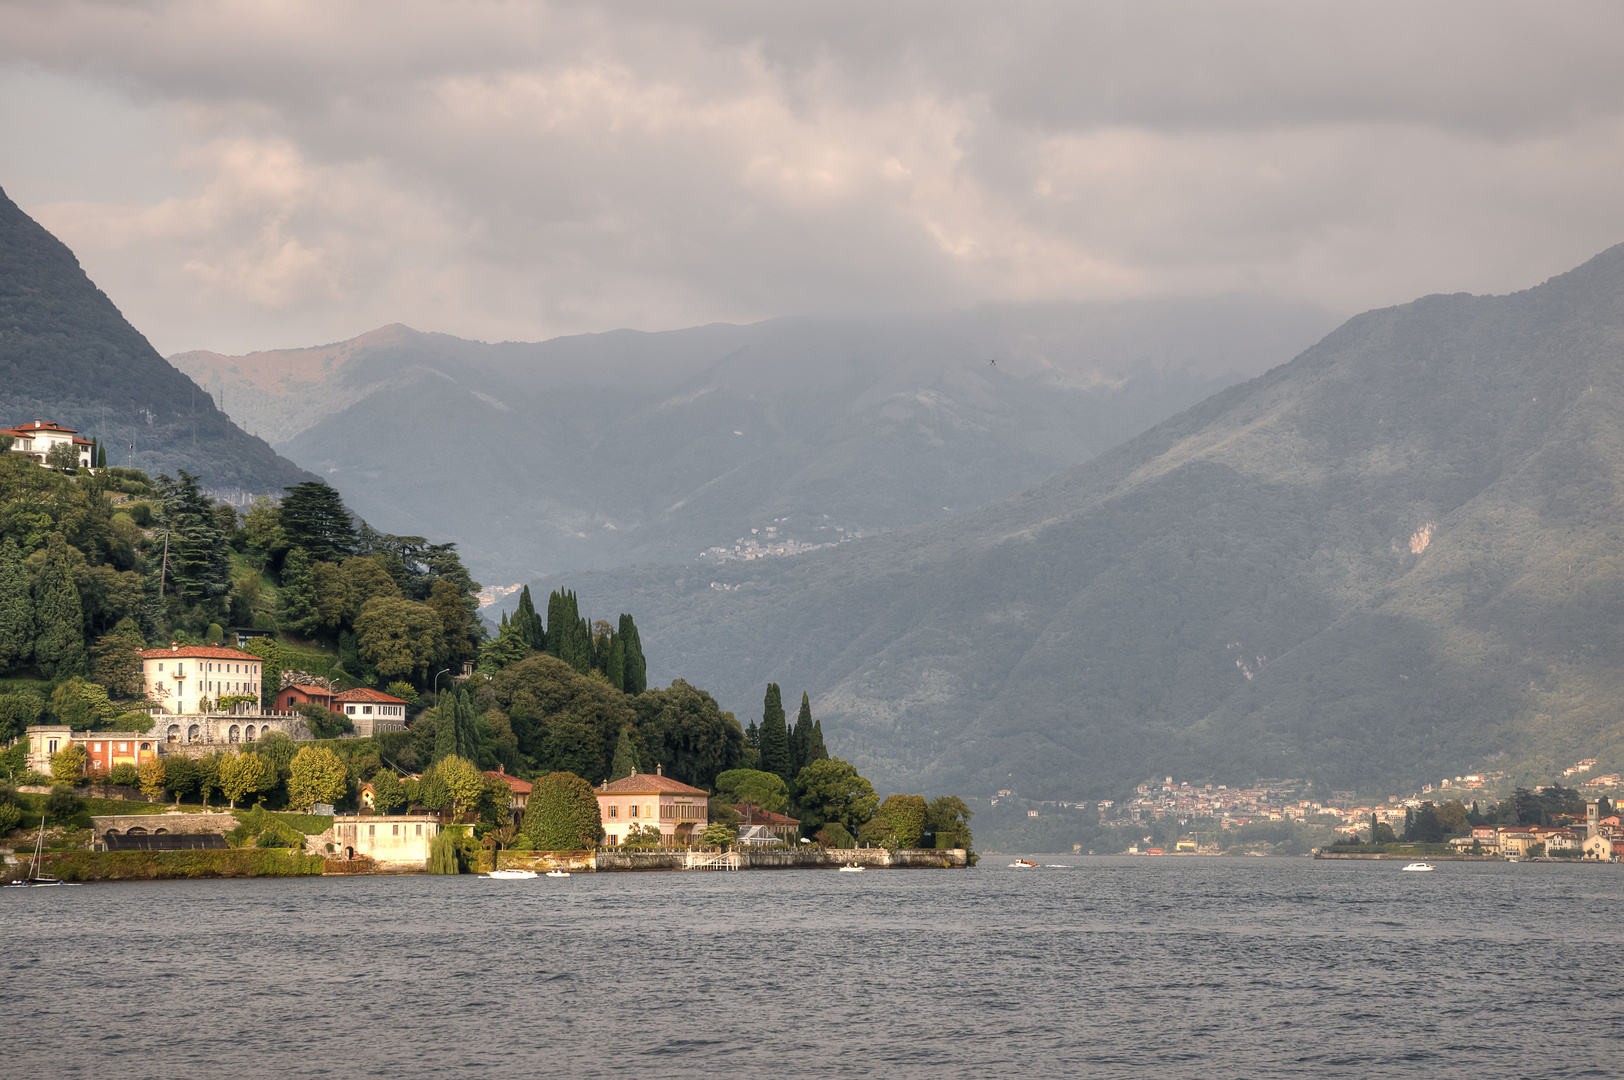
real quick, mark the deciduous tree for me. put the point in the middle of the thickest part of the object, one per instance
(399, 637)
(387, 791)
(316, 775)
(153, 776)
(832, 791)
(68, 764)
(115, 660)
(59, 620)
(762, 789)
(244, 774)
(683, 729)
(79, 704)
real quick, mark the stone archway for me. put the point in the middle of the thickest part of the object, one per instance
(174, 733)
(192, 733)
(136, 831)
(248, 733)
(234, 734)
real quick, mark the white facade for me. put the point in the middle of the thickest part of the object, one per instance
(36, 439)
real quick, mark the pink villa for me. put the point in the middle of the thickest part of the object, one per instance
(678, 810)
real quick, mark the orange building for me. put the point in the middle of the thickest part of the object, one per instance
(678, 810)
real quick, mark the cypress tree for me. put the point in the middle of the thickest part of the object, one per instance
(531, 629)
(819, 752)
(59, 644)
(578, 650)
(445, 727)
(467, 732)
(16, 608)
(101, 456)
(556, 619)
(800, 737)
(625, 760)
(773, 736)
(635, 668)
(615, 668)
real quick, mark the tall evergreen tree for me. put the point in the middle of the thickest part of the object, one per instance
(635, 667)
(800, 737)
(559, 613)
(615, 668)
(199, 558)
(774, 736)
(532, 632)
(59, 644)
(313, 517)
(296, 601)
(101, 456)
(16, 608)
(445, 726)
(625, 760)
(467, 732)
(819, 751)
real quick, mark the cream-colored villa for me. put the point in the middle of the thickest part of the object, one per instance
(676, 809)
(35, 440)
(181, 676)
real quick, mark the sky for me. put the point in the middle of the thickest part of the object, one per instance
(253, 175)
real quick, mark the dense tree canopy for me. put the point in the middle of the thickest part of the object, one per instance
(562, 814)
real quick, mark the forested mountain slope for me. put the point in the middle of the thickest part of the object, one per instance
(607, 449)
(1395, 558)
(66, 354)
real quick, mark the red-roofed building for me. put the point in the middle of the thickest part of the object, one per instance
(36, 439)
(371, 711)
(182, 677)
(300, 694)
(521, 791)
(678, 810)
(786, 828)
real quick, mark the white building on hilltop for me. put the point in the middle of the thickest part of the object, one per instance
(37, 438)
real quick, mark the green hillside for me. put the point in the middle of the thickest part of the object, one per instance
(66, 354)
(1395, 558)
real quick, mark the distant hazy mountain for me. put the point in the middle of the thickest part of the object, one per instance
(66, 354)
(619, 448)
(1398, 557)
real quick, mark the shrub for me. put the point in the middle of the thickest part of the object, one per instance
(562, 814)
(521, 844)
(10, 818)
(719, 834)
(403, 690)
(125, 775)
(835, 835)
(62, 803)
(278, 834)
(642, 836)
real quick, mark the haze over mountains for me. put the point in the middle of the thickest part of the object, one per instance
(1395, 558)
(66, 354)
(611, 449)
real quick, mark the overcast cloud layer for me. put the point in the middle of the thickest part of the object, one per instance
(256, 175)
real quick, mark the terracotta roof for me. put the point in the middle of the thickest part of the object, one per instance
(313, 691)
(41, 425)
(199, 652)
(362, 693)
(649, 784)
(520, 787)
(757, 816)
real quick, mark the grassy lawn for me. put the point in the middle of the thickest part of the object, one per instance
(309, 824)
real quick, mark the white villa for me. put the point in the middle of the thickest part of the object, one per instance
(182, 676)
(37, 438)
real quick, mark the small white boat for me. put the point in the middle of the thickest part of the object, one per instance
(1023, 863)
(509, 875)
(1420, 868)
(852, 868)
(556, 873)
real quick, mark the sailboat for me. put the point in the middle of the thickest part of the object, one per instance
(33, 879)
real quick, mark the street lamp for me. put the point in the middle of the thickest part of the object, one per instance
(435, 685)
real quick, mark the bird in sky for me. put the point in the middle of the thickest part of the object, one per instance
(991, 362)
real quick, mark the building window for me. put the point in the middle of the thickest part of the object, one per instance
(372, 830)
(420, 830)
(634, 810)
(614, 811)
(366, 709)
(394, 829)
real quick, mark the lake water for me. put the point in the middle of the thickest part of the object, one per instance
(1105, 967)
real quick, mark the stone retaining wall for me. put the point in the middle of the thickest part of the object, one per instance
(807, 858)
(171, 822)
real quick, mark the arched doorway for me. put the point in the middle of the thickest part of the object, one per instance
(248, 733)
(234, 734)
(174, 733)
(191, 733)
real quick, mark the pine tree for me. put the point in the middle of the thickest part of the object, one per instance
(635, 667)
(800, 737)
(773, 736)
(199, 558)
(16, 608)
(625, 760)
(296, 601)
(59, 645)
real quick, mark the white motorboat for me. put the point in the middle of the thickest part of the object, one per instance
(1420, 868)
(558, 873)
(852, 868)
(1023, 863)
(509, 875)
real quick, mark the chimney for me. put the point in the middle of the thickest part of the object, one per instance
(174, 646)
(659, 770)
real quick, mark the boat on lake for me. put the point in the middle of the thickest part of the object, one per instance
(509, 875)
(1023, 863)
(557, 873)
(1420, 868)
(852, 868)
(33, 880)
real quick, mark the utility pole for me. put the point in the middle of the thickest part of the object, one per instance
(164, 572)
